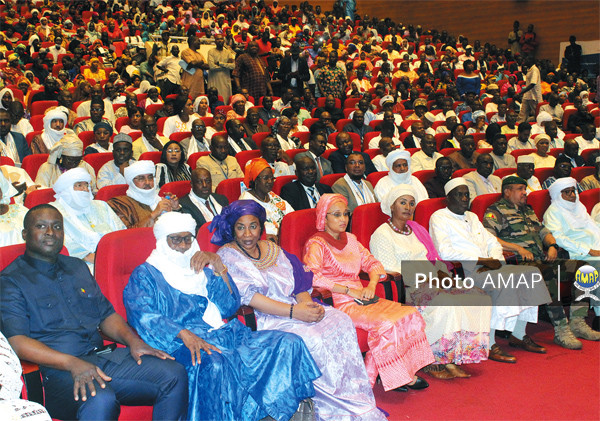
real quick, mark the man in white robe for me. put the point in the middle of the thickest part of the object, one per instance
(111, 173)
(399, 163)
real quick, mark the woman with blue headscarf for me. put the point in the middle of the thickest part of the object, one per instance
(277, 285)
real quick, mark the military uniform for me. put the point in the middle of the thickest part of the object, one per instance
(519, 225)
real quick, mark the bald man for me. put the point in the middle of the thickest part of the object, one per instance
(201, 203)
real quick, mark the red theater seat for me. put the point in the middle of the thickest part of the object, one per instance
(178, 188)
(539, 201)
(482, 202)
(230, 188)
(426, 208)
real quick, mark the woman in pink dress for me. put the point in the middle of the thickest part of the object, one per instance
(398, 346)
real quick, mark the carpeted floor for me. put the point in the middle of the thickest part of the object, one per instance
(559, 385)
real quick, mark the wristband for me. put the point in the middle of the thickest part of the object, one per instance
(553, 245)
(222, 272)
(291, 310)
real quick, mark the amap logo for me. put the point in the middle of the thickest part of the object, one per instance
(587, 280)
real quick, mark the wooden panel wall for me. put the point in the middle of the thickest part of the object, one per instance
(491, 21)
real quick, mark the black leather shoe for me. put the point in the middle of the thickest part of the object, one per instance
(401, 389)
(419, 384)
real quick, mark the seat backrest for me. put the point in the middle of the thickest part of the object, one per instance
(356, 142)
(230, 188)
(244, 156)
(117, 255)
(32, 163)
(556, 151)
(281, 181)
(365, 220)
(258, 137)
(304, 137)
(87, 137)
(160, 123)
(539, 201)
(590, 198)
(296, 228)
(461, 172)
(179, 136)
(374, 177)
(482, 202)
(152, 108)
(193, 158)
(503, 172)
(543, 173)
(97, 160)
(330, 179)
(10, 253)
(38, 197)
(37, 122)
(153, 156)
(39, 107)
(178, 188)
(449, 151)
(424, 175)
(426, 208)
(589, 154)
(203, 237)
(5, 160)
(518, 152)
(108, 192)
(580, 173)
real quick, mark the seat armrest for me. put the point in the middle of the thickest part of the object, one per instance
(33, 389)
(388, 288)
(245, 314)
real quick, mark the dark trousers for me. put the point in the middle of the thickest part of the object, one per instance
(162, 383)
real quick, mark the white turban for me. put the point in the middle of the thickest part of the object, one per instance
(454, 183)
(69, 145)
(525, 159)
(575, 212)
(450, 114)
(4, 92)
(559, 185)
(74, 200)
(394, 194)
(542, 117)
(197, 102)
(541, 137)
(175, 265)
(147, 197)
(51, 136)
(7, 190)
(399, 178)
(429, 116)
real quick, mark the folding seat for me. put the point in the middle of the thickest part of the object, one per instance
(230, 188)
(330, 179)
(282, 181)
(108, 192)
(32, 163)
(461, 172)
(580, 173)
(426, 208)
(259, 137)
(543, 173)
(374, 178)
(590, 198)
(178, 188)
(193, 158)
(179, 136)
(482, 202)
(153, 156)
(244, 157)
(539, 201)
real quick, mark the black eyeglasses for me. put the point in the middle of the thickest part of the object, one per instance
(175, 239)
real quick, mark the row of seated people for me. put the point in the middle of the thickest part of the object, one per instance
(322, 255)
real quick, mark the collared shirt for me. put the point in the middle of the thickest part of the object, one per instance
(421, 161)
(220, 170)
(59, 304)
(110, 175)
(313, 194)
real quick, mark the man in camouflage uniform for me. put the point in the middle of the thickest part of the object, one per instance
(518, 230)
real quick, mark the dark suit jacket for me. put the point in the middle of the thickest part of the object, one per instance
(325, 164)
(336, 114)
(296, 196)
(23, 148)
(187, 206)
(409, 142)
(338, 162)
(250, 143)
(286, 69)
(351, 128)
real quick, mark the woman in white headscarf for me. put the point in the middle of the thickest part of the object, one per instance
(570, 224)
(178, 305)
(66, 154)
(201, 106)
(11, 215)
(457, 321)
(55, 123)
(6, 97)
(399, 163)
(85, 220)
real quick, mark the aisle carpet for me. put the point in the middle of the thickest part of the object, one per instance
(559, 385)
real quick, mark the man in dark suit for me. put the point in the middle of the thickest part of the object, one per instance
(414, 139)
(294, 70)
(201, 202)
(236, 136)
(336, 113)
(7, 138)
(316, 147)
(358, 125)
(305, 192)
(338, 158)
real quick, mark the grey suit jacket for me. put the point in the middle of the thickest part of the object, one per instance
(342, 187)
(325, 164)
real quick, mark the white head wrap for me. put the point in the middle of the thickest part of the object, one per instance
(394, 194)
(454, 183)
(575, 212)
(542, 117)
(7, 190)
(147, 197)
(541, 136)
(74, 201)
(525, 159)
(429, 116)
(450, 114)
(175, 266)
(145, 86)
(51, 136)
(69, 145)
(2, 93)
(405, 177)
(197, 102)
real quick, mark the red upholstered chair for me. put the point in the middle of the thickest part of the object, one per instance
(426, 208)
(365, 220)
(590, 198)
(330, 179)
(40, 107)
(230, 188)
(178, 188)
(556, 151)
(29, 137)
(108, 192)
(5, 160)
(461, 172)
(193, 158)
(424, 175)
(121, 121)
(160, 123)
(38, 197)
(321, 102)
(296, 228)
(356, 142)
(209, 121)
(375, 123)
(282, 181)
(307, 122)
(587, 154)
(439, 139)
(153, 156)
(484, 150)
(518, 152)
(482, 202)
(503, 172)
(342, 123)
(412, 151)
(539, 201)
(303, 136)
(568, 114)
(97, 160)
(374, 177)
(580, 173)
(244, 156)
(543, 173)
(32, 163)
(203, 237)
(258, 137)
(86, 137)
(328, 152)
(449, 151)
(179, 136)
(293, 152)
(152, 108)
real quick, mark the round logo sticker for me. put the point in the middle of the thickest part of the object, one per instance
(587, 280)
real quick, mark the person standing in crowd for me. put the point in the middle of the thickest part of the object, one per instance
(250, 73)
